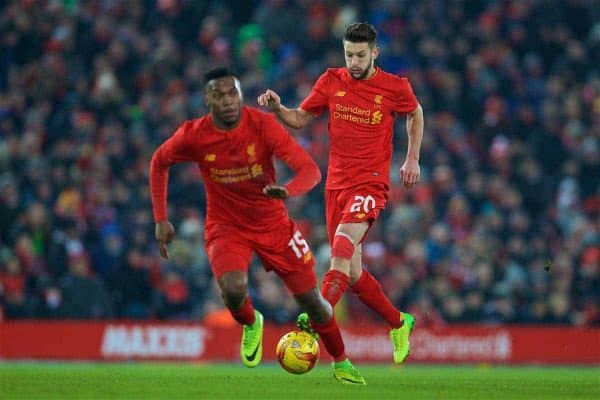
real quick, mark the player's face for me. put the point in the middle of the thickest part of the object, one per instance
(224, 99)
(360, 59)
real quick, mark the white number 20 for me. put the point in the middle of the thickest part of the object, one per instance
(367, 203)
(298, 244)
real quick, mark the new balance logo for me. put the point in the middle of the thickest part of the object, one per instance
(340, 93)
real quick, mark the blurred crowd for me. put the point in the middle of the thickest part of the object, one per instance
(503, 228)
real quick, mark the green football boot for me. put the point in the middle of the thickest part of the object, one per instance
(303, 323)
(345, 372)
(251, 348)
(400, 338)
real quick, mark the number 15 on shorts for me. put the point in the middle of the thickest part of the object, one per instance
(299, 246)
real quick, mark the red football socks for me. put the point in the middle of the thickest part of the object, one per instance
(334, 285)
(245, 315)
(330, 334)
(369, 292)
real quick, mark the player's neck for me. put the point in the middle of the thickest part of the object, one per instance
(371, 74)
(223, 126)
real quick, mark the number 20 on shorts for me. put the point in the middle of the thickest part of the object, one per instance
(365, 202)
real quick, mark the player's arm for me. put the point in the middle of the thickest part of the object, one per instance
(307, 176)
(410, 171)
(292, 117)
(306, 172)
(172, 151)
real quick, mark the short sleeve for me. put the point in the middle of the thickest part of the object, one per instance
(180, 146)
(406, 101)
(318, 100)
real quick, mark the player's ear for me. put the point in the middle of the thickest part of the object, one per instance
(376, 52)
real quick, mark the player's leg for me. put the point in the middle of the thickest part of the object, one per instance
(369, 291)
(323, 322)
(234, 289)
(345, 239)
(294, 264)
(229, 262)
(364, 204)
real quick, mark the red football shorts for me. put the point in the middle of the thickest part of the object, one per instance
(361, 203)
(282, 250)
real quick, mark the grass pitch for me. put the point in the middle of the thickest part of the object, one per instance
(232, 381)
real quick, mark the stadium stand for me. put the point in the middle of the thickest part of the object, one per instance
(503, 228)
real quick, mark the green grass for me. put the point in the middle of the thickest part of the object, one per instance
(228, 381)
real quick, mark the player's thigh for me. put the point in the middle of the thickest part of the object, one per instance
(333, 211)
(289, 255)
(353, 230)
(228, 253)
(360, 207)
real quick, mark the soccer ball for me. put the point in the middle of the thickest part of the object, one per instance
(297, 352)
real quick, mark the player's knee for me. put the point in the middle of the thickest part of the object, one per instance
(343, 246)
(234, 289)
(355, 273)
(321, 312)
(318, 308)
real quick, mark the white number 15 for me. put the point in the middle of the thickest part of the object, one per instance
(298, 244)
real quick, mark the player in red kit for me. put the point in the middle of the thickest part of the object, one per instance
(234, 146)
(362, 101)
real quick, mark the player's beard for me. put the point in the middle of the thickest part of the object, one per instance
(230, 119)
(364, 73)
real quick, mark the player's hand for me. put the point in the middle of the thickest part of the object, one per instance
(164, 233)
(276, 191)
(410, 173)
(271, 100)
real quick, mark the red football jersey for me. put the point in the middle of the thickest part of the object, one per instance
(361, 123)
(235, 166)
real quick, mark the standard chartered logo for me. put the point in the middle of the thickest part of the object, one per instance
(376, 118)
(233, 175)
(357, 115)
(256, 170)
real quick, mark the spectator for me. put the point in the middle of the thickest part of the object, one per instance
(12, 289)
(131, 288)
(510, 156)
(174, 297)
(84, 296)
(51, 303)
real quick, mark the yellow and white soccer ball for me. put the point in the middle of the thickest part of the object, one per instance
(297, 352)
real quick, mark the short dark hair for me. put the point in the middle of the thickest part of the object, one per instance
(217, 73)
(361, 32)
